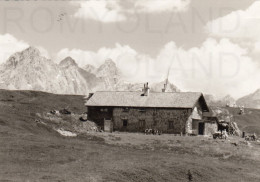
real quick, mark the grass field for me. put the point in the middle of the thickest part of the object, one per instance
(34, 152)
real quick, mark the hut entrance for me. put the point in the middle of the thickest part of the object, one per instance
(125, 124)
(201, 128)
(108, 125)
(142, 125)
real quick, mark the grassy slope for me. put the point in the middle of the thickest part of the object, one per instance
(249, 121)
(32, 152)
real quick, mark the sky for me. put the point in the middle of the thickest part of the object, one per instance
(209, 46)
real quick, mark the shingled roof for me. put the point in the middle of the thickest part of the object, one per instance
(155, 99)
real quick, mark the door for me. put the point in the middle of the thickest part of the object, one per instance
(142, 125)
(108, 125)
(201, 128)
(125, 124)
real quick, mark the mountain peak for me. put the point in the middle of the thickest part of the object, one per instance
(31, 51)
(108, 68)
(67, 62)
(229, 97)
(90, 68)
(109, 62)
(27, 55)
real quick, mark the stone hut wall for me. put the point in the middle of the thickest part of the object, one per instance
(139, 119)
(210, 128)
(193, 120)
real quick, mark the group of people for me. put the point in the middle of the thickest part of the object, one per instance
(222, 135)
(251, 137)
(152, 131)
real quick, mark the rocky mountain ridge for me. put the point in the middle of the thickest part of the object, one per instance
(28, 70)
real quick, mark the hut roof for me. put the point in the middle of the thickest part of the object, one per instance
(154, 99)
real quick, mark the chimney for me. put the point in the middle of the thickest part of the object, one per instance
(146, 90)
(164, 88)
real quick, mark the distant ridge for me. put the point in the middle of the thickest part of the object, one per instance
(29, 70)
(251, 100)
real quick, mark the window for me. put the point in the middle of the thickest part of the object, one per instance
(142, 110)
(142, 123)
(103, 109)
(194, 124)
(126, 109)
(171, 126)
(125, 122)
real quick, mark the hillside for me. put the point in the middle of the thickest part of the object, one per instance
(248, 122)
(32, 151)
(19, 109)
(251, 100)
